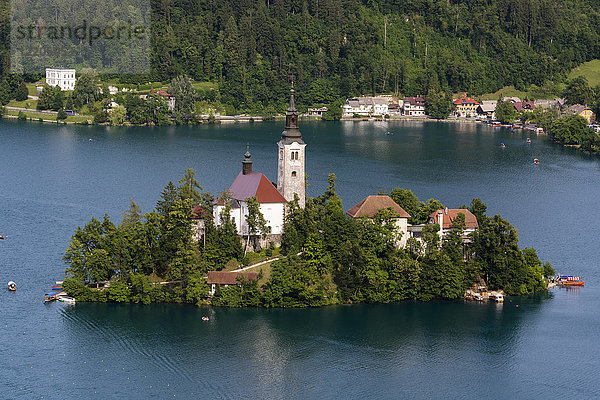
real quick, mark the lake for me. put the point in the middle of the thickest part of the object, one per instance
(53, 178)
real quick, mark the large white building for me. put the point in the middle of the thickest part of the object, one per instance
(61, 77)
(366, 106)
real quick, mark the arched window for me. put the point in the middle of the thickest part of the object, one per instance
(293, 173)
(291, 155)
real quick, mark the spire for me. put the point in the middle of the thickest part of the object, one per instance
(247, 163)
(292, 107)
(292, 131)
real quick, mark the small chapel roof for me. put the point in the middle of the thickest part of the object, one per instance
(230, 277)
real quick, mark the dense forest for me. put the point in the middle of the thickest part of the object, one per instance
(329, 257)
(341, 48)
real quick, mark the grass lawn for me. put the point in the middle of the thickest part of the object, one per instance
(31, 88)
(506, 91)
(266, 273)
(23, 104)
(590, 70)
(50, 117)
(205, 85)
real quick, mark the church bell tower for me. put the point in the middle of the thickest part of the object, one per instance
(290, 160)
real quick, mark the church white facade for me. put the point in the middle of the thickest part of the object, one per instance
(271, 199)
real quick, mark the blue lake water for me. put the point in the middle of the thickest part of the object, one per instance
(53, 178)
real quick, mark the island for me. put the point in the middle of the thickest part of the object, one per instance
(326, 257)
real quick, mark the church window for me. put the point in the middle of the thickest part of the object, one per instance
(293, 173)
(281, 154)
(291, 155)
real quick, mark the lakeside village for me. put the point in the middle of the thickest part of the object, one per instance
(64, 97)
(261, 244)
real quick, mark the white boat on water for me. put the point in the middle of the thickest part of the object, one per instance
(12, 286)
(66, 299)
(497, 297)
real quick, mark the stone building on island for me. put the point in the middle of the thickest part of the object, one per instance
(371, 205)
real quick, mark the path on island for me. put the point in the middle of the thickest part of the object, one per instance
(267, 261)
(258, 264)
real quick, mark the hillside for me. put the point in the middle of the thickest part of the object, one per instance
(589, 70)
(341, 48)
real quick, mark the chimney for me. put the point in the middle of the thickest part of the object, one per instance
(446, 210)
(440, 220)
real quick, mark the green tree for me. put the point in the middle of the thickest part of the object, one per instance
(58, 99)
(87, 255)
(257, 224)
(86, 89)
(22, 93)
(571, 129)
(438, 104)
(334, 111)
(46, 98)
(478, 208)
(189, 186)
(185, 96)
(578, 91)
(407, 200)
(505, 112)
(117, 115)
(61, 115)
(100, 117)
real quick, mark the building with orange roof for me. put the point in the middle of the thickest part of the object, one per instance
(445, 217)
(371, 205)
(465, 107)
(225, 278)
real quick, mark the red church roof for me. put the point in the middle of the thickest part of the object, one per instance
(451, 213)
(254, 184)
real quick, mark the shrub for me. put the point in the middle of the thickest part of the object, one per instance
(62, 115)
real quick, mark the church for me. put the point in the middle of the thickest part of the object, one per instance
(271, 198)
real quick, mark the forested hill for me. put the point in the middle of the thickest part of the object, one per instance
(340, 48)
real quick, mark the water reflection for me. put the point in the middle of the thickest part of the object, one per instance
(277, 353)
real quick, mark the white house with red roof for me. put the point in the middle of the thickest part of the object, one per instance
(248, 184)
(371, 205)
(414, 106)
(445, 217)
(170, 99)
